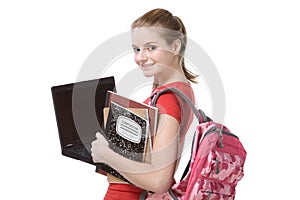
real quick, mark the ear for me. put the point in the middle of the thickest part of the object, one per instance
(176, 46)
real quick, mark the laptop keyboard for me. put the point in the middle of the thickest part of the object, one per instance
(81, 150)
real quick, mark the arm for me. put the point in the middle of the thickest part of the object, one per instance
(156, 176)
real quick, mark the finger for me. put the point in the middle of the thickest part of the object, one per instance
(94, 143)
(94, 146)
(94, 154)
(95, 160)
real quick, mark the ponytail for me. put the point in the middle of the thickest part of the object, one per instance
(188, 74)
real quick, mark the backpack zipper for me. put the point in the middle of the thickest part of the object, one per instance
(220, 132)
(215, 129)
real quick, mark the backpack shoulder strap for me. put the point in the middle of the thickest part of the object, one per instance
(198, 113)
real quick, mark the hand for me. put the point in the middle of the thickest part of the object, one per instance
(99, 147)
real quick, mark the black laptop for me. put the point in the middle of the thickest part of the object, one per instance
(79, 114)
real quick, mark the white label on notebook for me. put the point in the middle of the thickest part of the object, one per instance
(129, 129)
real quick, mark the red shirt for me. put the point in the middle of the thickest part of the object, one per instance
(174, 106)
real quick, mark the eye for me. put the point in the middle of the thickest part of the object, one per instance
(136, 50)
(152, 47)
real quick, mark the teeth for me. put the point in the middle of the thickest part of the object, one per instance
(147, 65)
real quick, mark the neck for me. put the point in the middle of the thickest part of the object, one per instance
(175, 76)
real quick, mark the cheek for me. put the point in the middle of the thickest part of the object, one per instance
(164, 58)
(157, 56)
(136, 59)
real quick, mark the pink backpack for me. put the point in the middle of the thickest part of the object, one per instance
(216, 163)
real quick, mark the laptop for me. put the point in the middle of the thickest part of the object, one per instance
(79, 115)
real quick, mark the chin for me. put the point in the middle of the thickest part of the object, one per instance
(146, 74)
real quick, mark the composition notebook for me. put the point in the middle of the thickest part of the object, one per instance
(148, 115)
(127, 132)
(129, 103)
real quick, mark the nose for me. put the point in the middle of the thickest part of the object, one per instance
(141, 57)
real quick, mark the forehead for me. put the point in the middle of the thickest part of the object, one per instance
(141, 36)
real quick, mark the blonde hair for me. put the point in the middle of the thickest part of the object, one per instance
(163, 18)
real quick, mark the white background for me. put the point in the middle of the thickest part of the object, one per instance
(254, 45)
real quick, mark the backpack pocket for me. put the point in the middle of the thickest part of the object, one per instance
(223, 167)
(219, 175)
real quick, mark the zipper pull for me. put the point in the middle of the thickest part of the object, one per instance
(217, 167)
(208, 196)
(221, 145)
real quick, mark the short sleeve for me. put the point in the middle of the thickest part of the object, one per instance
(168, 104)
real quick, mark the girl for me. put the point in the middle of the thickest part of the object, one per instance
(159, 41)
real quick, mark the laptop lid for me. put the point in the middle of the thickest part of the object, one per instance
(79, 110)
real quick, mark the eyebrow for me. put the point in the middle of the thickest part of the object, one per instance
(145, 44)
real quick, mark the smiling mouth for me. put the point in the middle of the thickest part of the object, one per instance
(145, 66)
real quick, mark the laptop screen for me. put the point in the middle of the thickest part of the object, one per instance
(79, 109)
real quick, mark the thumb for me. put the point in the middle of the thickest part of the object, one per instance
(98, 135)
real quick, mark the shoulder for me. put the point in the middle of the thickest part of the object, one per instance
(170, 104)
(184, 87)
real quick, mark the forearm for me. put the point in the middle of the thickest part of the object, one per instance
(144, 175)
(156, 176)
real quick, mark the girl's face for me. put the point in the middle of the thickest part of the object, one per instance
(151, 52)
